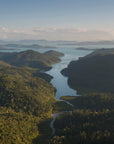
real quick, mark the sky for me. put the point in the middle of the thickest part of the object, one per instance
(73, 20)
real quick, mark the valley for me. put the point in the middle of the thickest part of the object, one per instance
(32, 88)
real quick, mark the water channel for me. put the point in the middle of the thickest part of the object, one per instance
(59, 81)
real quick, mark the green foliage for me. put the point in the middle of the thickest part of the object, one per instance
(85, 126)
(59, 106)
(17, 128)
(90, 123)
(93, 101)
(26, 101)
(32, 95)
(31, 59)
(95, 72)
(54, 53)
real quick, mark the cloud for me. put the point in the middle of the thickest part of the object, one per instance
(15, 34)
(57, 33)
(45, 30)
(59, 30)
(5, 37)
(78, 34)
(4, 29)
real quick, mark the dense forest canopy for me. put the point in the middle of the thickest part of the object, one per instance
(92, 120)
(27, 100)
(90, 123)
(31, 59)
(26, 97)
(95, 71)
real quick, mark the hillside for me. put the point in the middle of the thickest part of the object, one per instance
(22, 91)
(84, 127)
(93, 72)
(26, 101)
(30, 58)
(101, 52)
(54, 53)
(92, 120)
(26, 98)
(59, 42)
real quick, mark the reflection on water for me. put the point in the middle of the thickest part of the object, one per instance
(59, 81)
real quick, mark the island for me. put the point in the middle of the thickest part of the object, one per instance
(37, 46)
(85, 48)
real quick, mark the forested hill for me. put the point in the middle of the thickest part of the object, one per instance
(92, 120)
(26, 98)
(54, 53)
(95, 71)
(31, 59)
(24, 101)
(101, 52)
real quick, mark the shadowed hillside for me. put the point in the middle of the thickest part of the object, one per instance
(95, 71)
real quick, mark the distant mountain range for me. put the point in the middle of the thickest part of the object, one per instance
(91, 43)
(27, 46)
(59, 42)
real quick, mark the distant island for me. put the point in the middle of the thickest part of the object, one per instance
(3, 48)
(28, 46)
(87, 43)
(58, 42)
(85, 48)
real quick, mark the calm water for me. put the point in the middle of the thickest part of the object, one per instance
(59, 81)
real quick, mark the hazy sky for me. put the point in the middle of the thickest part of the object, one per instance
(79, 20)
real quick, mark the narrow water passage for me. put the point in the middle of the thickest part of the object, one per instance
(52, 122)
(54, 118)
(59, 81)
